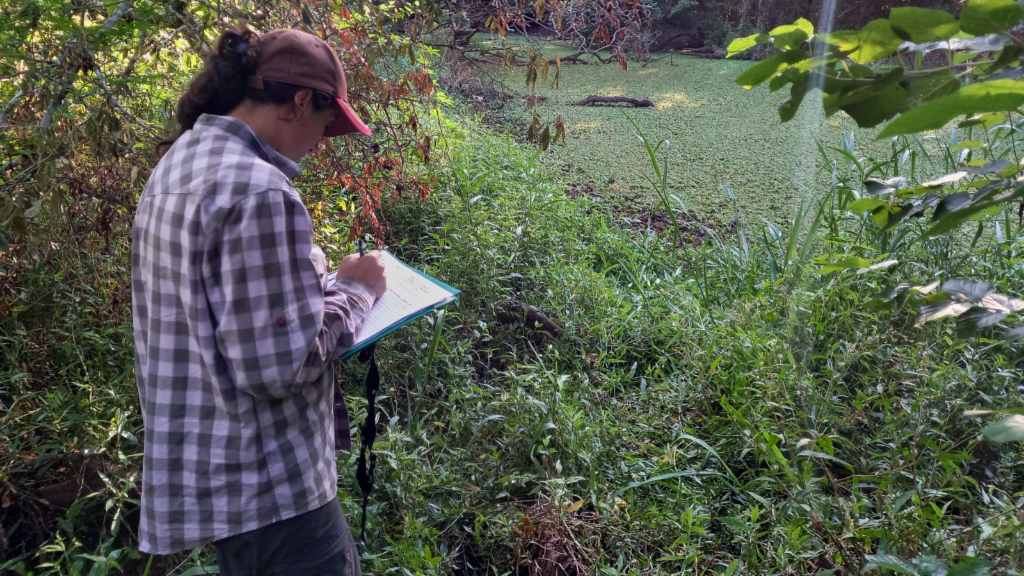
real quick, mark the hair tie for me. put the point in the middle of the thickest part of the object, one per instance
(242, 46)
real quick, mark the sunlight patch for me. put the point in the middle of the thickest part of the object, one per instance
(673, 99)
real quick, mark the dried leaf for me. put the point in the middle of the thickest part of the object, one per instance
(945, 180)
(930, 312)
(527, 525)
(1001, 303)
(964, 290)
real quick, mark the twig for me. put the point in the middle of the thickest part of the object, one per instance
(116, 104)
(9, 106)
(58, 101)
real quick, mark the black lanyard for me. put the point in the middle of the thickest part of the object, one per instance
(367, 436)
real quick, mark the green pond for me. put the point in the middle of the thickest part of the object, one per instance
(719, 133)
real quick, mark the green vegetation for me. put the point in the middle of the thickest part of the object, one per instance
(779, 397)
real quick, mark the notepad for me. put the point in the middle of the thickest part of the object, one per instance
(410, 295)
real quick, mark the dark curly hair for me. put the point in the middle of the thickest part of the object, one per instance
(223, 83)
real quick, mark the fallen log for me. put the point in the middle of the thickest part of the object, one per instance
(637, 102)
(576, 58)
(513, 311)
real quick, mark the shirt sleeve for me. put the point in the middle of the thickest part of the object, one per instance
(279, 329)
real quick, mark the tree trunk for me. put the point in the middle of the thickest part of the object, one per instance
(637, 102)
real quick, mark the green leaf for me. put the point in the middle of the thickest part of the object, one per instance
(871, 43)
(1007, 56)
(881, 106)
(957, 218)
(823, 456)
(792, 36)
(669, 476)
(889, 562)
(1006, 430)
(971, 568)
(196, 570)
(881, 215)
(34, 209)
(789, 75)
(734, 524)
(967, 144)
(867, 101)
(769, 67)
(789, 107)
(986, 120)
(961, 57)
(921, 89)
(864, 204)
(989, 16)
(845, 264)
(995, 96)
(743, 44)
(951, 203)
(923, 25)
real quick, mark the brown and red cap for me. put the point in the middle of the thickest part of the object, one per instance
(295, 57)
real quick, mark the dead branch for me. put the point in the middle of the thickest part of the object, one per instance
(514, 311)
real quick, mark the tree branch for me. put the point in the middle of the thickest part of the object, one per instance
(57, 102)
(9, 106)
(120, 12)
(112, 100)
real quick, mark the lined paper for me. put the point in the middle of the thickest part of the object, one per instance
(409, 293)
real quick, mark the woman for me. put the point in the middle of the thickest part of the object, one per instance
(234, 333)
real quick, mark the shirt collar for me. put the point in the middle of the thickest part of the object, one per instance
(242, 131)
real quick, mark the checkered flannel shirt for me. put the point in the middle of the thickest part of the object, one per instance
(234, 342)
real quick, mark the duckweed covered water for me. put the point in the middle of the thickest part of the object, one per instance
(719, 132)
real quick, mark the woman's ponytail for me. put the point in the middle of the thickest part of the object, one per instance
(223, 84)
(224, 80)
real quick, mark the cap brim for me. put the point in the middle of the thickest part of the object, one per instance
(348, 122)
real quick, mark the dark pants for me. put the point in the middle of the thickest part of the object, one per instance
(317, 543)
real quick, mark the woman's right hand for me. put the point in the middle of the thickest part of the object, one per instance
(367, 269)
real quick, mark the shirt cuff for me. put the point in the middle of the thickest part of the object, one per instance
(357, 290)
(347, 302)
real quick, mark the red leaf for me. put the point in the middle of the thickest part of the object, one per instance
(347, 38)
